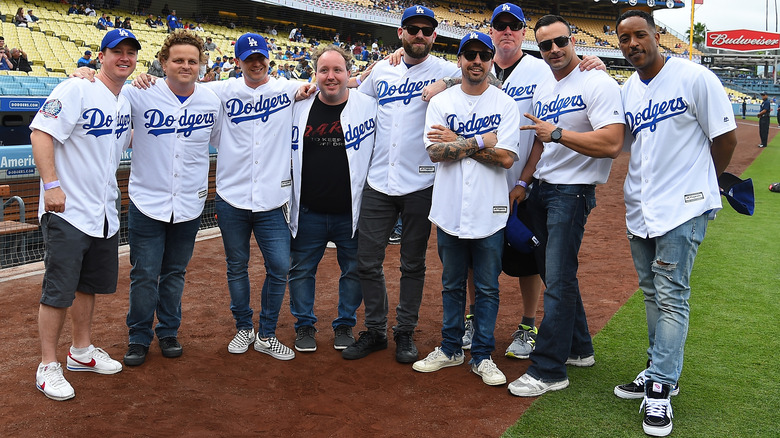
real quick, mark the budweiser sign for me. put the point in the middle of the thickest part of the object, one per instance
(743, 40)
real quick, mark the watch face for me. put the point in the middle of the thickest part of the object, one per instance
(556, 134)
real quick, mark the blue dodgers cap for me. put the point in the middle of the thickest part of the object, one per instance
(508, 8)
(738, 192)
(419, 11)
(250, 43)
(116, 36)
(478, 36)
(517, 234)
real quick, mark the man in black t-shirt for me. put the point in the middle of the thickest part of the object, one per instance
(333, 138)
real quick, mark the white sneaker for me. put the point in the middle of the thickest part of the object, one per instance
(527, 386)
(436, 360)
(52, 383)
(95, 360)
(274, 348)
(241, 341)
(489, 372)
(581, 361)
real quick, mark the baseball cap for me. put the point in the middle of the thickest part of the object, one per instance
(517, 234)
(88, 52)
(508, 8)
(115, 37)
(479, 36)
(738, 192)
(250, 43)
(419, 11)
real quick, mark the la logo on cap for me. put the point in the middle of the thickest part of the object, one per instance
(473, 35)
(420, 10)
(505, 7)
(122, 32)
(252, 42)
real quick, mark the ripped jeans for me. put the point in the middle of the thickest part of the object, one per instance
(664, 266)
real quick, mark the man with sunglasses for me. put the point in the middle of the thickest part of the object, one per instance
(400, 180)
(470, 232)
(579, 117)
(681, 133)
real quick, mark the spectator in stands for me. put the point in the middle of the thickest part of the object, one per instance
(2, 42)
(73, 9)
(118, 22)
(236, 72)
(272, 70)
(159, 22)
(173, 21)
(19, 19)
(87, 61)
(150, 22)
(5, 62)
(274, 32)
(30, 17)
(19, 61)
(210, 46)
(104, 23)
(89, 11)
(272, 45)
(156, 68)
(293, 32)
(127, 24)
(228, 65)
(198, 28)
(306, 74)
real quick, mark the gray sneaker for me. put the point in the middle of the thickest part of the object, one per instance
(305, 341)
(523, 343)
(469, 334)
(343, 337)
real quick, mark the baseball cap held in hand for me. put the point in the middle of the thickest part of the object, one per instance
(738, 192)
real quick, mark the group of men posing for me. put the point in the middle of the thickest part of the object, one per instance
(405, 117)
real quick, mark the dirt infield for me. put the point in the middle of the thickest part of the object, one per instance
(210, 392)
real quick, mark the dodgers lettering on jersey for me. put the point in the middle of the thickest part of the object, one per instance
(354, 135)
(262, 109)
(405, 92)
(473, 126)
(654, 113)
(158, 123)
(557, 107)
(519, 93)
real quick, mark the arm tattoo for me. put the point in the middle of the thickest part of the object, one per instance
(453, 150)
(493, 80)
(488, 156)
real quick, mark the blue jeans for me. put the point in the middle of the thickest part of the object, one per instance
(664, 266)
(457, 256)
(273, 238)
(308, 247)
(378, 215)
(159, 254)
(558, 213)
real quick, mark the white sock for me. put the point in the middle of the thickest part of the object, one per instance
(81, 351)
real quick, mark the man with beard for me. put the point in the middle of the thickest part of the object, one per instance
(681, 133)
(470, 230)
(400, 180)
(333, 138)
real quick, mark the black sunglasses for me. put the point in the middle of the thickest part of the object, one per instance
(502, 25)
(561, 41)
(471, 55)
(412, 30)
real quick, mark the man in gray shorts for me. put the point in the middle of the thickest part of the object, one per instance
(78, 137)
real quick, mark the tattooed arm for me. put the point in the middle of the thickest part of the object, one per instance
(495, 157)
(453, 150)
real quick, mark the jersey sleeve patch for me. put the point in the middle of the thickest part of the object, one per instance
(51, 108)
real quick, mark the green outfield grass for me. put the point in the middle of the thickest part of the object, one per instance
(730, 386)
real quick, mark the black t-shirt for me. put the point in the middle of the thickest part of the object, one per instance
(503, 73)
(325, 182)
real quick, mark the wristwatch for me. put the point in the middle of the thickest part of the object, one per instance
(448, 81)
(556, 134)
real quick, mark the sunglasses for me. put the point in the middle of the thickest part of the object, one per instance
(471, 55)
(413, 30)
(502, 25)
(561, 41)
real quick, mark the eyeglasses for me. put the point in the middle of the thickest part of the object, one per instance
(561, 41)
(502, 25)
(471, 55)
(413, 30)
